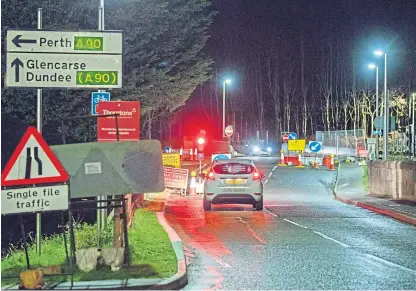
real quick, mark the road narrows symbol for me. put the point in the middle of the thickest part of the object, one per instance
(38, 161)
(29, 161)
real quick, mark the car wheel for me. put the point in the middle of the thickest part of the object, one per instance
(207, 205)
(259, 205)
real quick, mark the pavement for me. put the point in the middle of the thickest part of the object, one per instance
(349, 189)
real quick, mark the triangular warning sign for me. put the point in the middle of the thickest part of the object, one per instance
(33, 162)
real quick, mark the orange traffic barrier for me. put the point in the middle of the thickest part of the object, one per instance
(332, 165)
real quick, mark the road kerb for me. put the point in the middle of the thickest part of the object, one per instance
(180, 279)
(386, 212)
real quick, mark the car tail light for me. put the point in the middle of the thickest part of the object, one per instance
(211, 176)
(256, 176)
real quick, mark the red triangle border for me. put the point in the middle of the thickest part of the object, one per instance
(32, 131)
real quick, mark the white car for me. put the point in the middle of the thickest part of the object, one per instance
(233, 181)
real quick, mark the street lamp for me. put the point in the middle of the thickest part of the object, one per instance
(372, 67)
(386, 106)
(227, 81)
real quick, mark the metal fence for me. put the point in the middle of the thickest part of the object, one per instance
(342, 142)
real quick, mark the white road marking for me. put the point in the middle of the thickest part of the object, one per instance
(265, 182)
(343, 185)
(391, 264)
(274, 168)
(331, 239)
(271, 173)
(253, 233)
(221, 262)
(292, 222)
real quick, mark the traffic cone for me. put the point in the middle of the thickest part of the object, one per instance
(192, 186)
(315, 165)
(181, 153)
(196, 152)
(282, 159)
(331, 165)
(191, 154)
(300, 165)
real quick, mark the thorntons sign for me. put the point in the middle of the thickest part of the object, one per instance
(128, 120)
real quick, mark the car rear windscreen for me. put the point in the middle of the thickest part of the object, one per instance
(233, 168)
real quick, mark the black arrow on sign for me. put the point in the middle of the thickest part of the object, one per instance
(17, 63)
(17, 41)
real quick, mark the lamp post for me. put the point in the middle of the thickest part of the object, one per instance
(386, 107)
(373, 66)
(227, 81)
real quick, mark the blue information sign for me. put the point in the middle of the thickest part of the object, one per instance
(167, 149)
(315, 146)
(97, 97)
(293, 135)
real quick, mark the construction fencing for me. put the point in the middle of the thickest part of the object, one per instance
(342, 142)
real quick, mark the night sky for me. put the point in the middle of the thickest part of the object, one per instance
(245, 27)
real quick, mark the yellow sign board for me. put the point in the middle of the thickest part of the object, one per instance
(296, 145)
(171, 160)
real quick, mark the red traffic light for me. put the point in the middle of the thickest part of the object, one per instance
(201, 141)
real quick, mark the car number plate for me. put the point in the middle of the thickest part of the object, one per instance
(234, 190)
(234, 181)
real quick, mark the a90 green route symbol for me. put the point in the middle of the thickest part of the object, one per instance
(88, 43)
(97, 78)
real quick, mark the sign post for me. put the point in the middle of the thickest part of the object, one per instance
(200, 158)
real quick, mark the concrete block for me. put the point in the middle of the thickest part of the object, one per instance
(87, 259)
(113, 257)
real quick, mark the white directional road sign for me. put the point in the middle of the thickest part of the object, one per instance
(64, 59)
(68, 42)
(38, 70)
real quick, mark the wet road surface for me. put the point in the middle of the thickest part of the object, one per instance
(303, 239)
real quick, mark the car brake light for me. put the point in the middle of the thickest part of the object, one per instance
(211, 176)
(256, 176)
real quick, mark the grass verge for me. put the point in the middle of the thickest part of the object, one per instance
(365, 177)
(152, 254)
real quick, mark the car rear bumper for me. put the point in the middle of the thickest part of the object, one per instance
(233, 198)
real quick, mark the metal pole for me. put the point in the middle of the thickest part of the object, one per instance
(378, 135)
(223, 110)
(413, 123)
(386, 112)
(377, 91)
(39, 128)
(101, 213)
(267, 137)
(200, 170)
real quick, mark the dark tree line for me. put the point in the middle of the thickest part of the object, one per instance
(164, 58)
